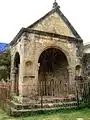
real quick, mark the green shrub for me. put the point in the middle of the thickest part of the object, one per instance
(5, 65)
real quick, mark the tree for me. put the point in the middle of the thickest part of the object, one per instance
(5, 65)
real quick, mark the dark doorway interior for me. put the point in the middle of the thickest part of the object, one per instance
(16, 66)
(53, 73)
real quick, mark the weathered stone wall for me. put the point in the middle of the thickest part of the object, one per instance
(34, 45)
(30, 48)
(86, 61)
(54, 24)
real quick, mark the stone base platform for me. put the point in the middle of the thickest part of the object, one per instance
(21, 112)
(51, 103)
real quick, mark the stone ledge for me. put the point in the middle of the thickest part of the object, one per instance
(15, 112)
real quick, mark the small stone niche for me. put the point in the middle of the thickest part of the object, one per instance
(28, 63)
(28, 67)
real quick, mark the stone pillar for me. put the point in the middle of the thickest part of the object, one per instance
(37, 69)
(71, 81)
(70, 76)
(37, 72)
(29, 85)
(13, 81)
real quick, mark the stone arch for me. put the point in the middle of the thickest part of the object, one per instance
(17, 59)
(78, 70)
(53, 71)
(16, 72)
(68, 56)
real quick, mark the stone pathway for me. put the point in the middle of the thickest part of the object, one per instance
(79, 119)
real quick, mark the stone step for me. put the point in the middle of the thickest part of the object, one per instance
(56, 100)
(15, 112)
(19, 106)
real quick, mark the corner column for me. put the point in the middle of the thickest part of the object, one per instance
(13, 81)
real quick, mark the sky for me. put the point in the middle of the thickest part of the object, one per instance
(15, 14)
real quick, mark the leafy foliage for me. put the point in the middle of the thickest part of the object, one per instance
(5, 61)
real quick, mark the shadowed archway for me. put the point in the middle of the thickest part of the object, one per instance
(53, 75)
(16, 67)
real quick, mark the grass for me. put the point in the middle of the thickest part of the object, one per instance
(59, 115)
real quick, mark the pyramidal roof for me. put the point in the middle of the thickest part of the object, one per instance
(55, 9)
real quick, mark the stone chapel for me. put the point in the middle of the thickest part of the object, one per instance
(46, 58)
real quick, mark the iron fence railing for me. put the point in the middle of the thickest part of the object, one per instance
(5, 91)
(49, 95)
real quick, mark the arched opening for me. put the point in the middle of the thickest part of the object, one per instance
(53, 73)
(78, 70)
(16, 67)
(86, 64)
